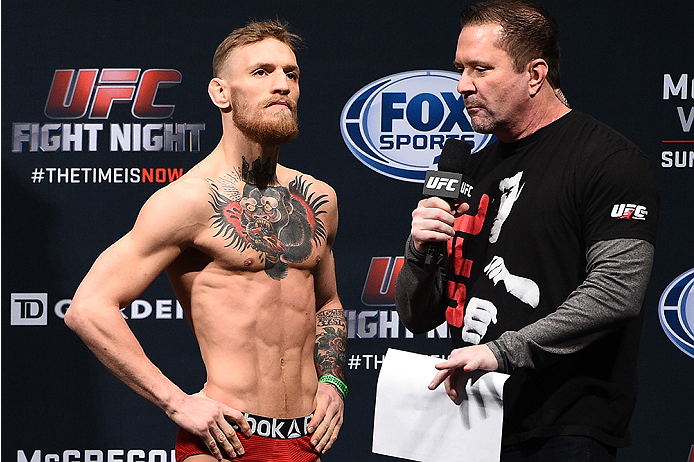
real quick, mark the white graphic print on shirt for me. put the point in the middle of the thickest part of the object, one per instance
(480, 313)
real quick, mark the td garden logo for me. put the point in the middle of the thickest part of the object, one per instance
(397, 125)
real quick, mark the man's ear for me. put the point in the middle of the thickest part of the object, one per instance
(537, 71)
(219, 93)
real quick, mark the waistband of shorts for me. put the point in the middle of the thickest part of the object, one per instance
(270, 427)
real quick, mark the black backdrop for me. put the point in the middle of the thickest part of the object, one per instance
(60, 404)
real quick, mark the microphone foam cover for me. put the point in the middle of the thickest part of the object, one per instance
(455, 156)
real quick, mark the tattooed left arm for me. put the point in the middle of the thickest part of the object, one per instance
(330, 358)
(331, 342)
(331, 328)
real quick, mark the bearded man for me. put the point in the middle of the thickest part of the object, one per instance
(247, 246)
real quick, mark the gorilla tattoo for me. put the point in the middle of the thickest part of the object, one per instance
(281, 223)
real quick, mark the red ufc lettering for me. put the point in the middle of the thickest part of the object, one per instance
(152, 81)
(379, 288)
(456, 290)
(112, 88)
(69, 99)
(70, 96)
(461, 267)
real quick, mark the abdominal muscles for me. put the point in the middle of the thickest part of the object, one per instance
(256, 337)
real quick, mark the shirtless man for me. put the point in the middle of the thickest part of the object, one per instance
(247, 246)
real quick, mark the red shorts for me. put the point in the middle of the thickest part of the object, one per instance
(282, 440)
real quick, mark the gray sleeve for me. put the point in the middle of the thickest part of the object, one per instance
(419, 293)
(613, 291)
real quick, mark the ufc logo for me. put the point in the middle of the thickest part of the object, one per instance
(442, 184)
(629, 212)
(73, 93)
(437, 183)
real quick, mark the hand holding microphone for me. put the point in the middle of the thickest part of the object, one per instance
(445, 188)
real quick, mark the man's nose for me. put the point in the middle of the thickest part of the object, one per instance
(465, 85)
(280, 83)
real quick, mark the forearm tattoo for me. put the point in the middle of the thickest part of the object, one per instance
(331, 343)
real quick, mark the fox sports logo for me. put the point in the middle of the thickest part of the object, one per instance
(676, 312)
(397, 125)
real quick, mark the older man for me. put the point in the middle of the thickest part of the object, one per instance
(546, 280)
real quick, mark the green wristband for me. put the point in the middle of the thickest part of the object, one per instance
(328, 378)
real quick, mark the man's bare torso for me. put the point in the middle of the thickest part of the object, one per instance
(246, 283)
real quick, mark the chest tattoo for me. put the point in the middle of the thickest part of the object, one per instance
(281, 223)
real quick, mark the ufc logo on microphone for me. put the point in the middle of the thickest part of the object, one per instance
(437, 183)
(74, 93)
(449, 185)
(442, 184)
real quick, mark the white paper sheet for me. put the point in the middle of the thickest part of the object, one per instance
(413, 422)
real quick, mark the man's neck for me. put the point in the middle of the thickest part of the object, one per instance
(256, 162)
(259, 171)
(539, 115)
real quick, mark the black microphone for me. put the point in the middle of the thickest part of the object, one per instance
(449, 183)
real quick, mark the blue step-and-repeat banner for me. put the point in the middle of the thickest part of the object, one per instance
(136, 73)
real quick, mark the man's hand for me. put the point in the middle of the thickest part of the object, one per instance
(208, 419)
(478, 315)
(432, 221)
(526, 290)
(327, 418)
(496, 270)
(468, 359)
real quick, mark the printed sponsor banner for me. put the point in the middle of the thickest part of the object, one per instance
(676, 312)
(397, 125)
(107, 101)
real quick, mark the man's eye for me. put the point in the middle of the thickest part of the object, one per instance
(259, 72)
(292, 76)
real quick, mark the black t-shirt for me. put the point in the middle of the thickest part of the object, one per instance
(543, 201)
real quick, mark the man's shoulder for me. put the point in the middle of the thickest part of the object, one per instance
(182, 202)
(316, 195)
(591, 130)
(296, 180)
(184, 190)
